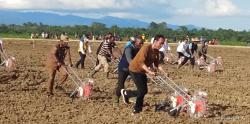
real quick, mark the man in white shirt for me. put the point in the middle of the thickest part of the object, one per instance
(181, 49)
(189, 53)
(163, 51)
(83, 47)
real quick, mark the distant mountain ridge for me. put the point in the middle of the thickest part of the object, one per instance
(14, 17)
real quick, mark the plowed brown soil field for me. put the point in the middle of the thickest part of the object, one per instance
(23, 91)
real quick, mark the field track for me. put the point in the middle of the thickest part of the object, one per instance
(23, 91)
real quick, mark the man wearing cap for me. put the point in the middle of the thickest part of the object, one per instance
(129, 53)
(203, 50)
(130, 41)
(56, 61)
(189, 53)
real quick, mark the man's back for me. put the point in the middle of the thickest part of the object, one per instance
(58, 54)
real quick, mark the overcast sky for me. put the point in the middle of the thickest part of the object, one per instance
(234, 14)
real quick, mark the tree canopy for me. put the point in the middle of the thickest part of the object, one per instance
(154, 28)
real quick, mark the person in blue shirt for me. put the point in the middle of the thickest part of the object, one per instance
(131, 40)
(129, 53)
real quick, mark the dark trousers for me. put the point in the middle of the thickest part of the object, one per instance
(122, 76)
(161, 57)
(81, 61)
(140, 80)
(192, 60)
(180, 54)
(202, 54)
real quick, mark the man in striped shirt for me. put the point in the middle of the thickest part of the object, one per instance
(104, 55)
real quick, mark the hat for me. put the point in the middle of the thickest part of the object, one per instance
(132, 38)
(65, 38)
(195, 39)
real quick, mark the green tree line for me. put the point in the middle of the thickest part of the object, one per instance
(226, 36)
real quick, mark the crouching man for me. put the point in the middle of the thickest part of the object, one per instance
(189, 53)
(56, 62)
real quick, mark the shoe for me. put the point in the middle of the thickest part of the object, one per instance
(76, 66)
(116, 102)
(132, 100)
(124, 96)
(49, 94)
(135, 112)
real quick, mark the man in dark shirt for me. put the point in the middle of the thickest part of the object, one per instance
(129, 53)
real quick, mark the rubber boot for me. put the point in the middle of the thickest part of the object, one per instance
(107, 75)
(116, 102)
(77, 64)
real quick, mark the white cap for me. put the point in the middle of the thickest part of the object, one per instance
(132, 38)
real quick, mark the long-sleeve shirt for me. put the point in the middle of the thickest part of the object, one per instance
(146, 55)
(58, 55)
